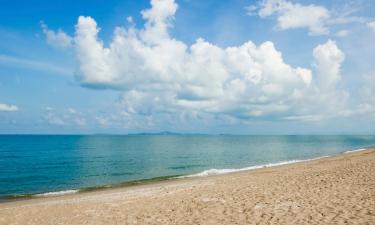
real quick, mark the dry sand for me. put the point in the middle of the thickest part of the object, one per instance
(334, 190)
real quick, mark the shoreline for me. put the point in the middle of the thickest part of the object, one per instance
(140, 182)
(334, 189)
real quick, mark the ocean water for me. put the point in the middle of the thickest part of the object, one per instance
(50, 164)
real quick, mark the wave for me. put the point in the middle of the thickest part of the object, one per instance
(56, 193)
(88, 189)
(355, 150)
(214, 171)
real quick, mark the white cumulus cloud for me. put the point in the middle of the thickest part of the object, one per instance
(159, 76)
(159, 73)
(57, 39)
(328, 59)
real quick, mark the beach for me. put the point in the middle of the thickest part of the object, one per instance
(331, 190)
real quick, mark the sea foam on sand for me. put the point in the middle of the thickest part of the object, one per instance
(213, 171)
(355, 150)
(57, 193)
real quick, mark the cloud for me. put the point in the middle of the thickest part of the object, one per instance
(325, 100)
(156, 70)
(366, 104)
(163, 79)
(61, 118)
(367, 89)
(342, 33)
(371, 25)
(52, 119)
(102, 121)
(8, 108)
(316, 18)
(293, 15)
(72, 111)
(57, 39)
(328, 59)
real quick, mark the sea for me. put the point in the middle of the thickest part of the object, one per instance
(48, 165)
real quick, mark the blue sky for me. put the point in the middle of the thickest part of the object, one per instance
(240, 66)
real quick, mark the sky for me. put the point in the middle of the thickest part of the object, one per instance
(189, 66)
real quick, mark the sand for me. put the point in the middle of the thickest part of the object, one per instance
(334, 190)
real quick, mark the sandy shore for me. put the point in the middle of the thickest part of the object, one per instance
(334, 190)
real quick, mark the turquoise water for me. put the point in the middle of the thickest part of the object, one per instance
(31, 164)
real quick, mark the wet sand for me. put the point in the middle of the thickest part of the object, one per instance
(333, 190)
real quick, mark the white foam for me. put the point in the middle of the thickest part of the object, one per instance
(355, 150)
(57, 193)
(212, 172)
